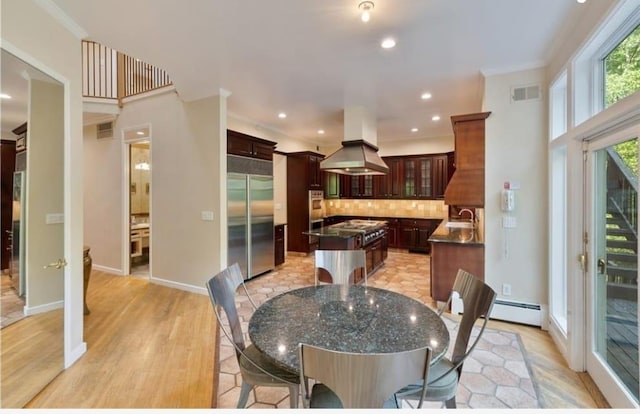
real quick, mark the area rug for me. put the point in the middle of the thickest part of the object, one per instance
(495, 375)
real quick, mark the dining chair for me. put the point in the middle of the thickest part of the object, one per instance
(254, 366)
(341, 264)
(354, 380)
(477, 299)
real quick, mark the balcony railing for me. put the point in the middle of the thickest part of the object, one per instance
(109, 74)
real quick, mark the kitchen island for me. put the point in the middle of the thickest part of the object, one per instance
(369, 235)
(454, 245)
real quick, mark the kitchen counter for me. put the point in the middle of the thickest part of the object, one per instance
(444, 234)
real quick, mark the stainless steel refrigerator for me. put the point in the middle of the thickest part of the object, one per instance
(250, 215)
(18, 233)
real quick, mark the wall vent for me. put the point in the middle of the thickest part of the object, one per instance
(525, 93)
(105, 130)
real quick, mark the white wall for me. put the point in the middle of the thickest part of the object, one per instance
(434, 145)
(516, 150)
(33, 35)
(187, 177)
(103, 171)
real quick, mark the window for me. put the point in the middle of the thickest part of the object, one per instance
(558, 249)
(621, 68)
(558, 104)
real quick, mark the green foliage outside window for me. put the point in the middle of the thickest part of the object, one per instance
(622, 69)
(628, 151)
(622, 78)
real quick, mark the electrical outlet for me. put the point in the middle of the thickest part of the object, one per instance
(506, 289)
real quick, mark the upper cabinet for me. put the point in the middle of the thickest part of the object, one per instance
(409, 177)
(248, 146)
(390, 185)
(466, 187)
(315, 174)
(303, 170)
(418, 177)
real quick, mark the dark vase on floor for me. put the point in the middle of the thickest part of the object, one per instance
(87, 273)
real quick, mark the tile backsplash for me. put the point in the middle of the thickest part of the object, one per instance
(386, 208)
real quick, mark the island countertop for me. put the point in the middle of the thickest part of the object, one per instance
(444, 234)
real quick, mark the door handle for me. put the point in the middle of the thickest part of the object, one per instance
(582, 258)
(59, 264)
(601, 266)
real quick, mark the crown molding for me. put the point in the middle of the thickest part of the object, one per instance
(56, 12)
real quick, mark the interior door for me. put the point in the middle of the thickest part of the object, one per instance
(32, 349)
(612, 275)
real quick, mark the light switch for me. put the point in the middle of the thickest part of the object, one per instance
(54, 218)
(206, 215)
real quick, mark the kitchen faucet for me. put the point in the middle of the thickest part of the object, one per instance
(468, 211)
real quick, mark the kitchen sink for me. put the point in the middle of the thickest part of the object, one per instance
(459, 224)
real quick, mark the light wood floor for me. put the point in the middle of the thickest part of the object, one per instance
(152, 347)
(148, 346)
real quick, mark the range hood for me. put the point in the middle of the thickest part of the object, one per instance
(359, 154)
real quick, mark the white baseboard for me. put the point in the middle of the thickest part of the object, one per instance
(177, 285)
(75, 354)
(107, 269)
(34, 310)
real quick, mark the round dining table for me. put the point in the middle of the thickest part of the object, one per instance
(347, 318)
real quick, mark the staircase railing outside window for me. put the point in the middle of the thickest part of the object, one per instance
(109, 74)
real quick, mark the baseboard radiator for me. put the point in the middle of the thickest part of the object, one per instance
(510, 311)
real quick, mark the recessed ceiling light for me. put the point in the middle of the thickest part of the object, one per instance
(425, 96)
(582, 1)
(321, 131)
(140, 133)
(4, 96)
(414, 129)
(435, 118)
(282, 115)
(388, 43)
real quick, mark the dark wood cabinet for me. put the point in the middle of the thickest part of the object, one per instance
(393, 229)
(314, 172)
(303, 174)
(248, 146)
(418, 177)
(374, 255)
(278, 236)
(440, 175)
(361, 186)
(7, 166)
(331, 185)
(390, 185)
(466, 187)
(446, 259)
(415, 233)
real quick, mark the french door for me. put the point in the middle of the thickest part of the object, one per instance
(611, 230)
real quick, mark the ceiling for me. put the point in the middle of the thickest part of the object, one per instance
(14, 82)
(311, 59)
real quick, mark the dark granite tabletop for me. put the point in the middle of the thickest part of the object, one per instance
(348, 318)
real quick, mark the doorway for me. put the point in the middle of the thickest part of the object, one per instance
(138, 150)
(612, 275)
(32, 347)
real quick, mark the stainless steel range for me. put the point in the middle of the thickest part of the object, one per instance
(371, 230)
